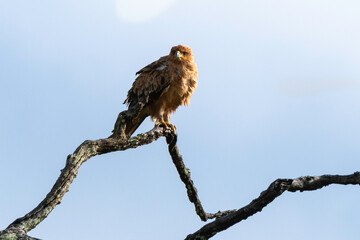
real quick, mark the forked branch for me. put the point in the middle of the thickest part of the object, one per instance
(90, 148)
(119, 142)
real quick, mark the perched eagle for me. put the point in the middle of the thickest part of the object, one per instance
(162, 87)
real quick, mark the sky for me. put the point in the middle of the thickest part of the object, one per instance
(278, 97)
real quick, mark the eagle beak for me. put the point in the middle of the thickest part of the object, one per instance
(178, 54)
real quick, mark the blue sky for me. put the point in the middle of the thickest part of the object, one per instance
(278, 97)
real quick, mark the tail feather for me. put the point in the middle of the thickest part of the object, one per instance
(134, 124)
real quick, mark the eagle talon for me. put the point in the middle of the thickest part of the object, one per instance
(166, 125)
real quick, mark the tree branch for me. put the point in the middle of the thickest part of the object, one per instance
(184, 174)
(116, 142)
(275, 189)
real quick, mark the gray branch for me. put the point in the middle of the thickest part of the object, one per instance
(184, 174)
(84, 152)
(89, 148)
(274, 190)
(118, 141)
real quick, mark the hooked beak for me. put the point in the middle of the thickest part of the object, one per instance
(178, 54)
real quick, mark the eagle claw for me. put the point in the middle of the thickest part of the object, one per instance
(166, 125)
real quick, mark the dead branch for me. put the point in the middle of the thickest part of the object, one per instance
(84, 152)
(275, 189)
(118, 141)
(90, 148)
(184, 174)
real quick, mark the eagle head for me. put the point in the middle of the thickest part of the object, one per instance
(181, 53)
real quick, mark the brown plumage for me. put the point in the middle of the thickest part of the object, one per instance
(163, 86)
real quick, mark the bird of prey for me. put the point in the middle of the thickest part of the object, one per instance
(162, 87)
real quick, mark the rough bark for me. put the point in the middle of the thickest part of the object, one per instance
(118, 141)
(89, 148)
(85, 151)
(184, 174)
(273, 191)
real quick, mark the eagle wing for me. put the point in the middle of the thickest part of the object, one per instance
(151, 81)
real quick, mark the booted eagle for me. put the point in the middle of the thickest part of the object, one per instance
(162, 87)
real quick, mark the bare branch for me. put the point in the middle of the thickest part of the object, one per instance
(184, 174)
(118, 141)
(275, 189)
(84, 152)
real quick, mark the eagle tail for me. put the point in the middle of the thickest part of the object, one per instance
(131, 126)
